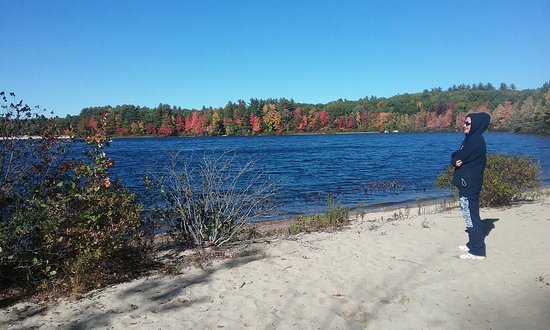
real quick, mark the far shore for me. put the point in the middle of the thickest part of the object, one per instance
(32, 137)
(257, 135)
(294, 134)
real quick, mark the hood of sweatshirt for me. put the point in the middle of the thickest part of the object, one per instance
(480, 122)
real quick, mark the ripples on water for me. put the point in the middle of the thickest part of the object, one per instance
(312, 167)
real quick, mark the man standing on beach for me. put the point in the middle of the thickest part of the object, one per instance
(469, 162)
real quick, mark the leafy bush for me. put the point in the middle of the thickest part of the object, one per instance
(335, 216)
(505, 179)
(209, 204)
(24, 159)
(72, 226)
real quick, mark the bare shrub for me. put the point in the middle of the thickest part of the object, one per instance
(207, 204)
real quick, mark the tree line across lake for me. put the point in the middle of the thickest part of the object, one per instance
(66, 227)
(526, 111)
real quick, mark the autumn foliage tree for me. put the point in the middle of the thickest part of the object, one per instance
(255, 123)
(431, 110)
(272, 118)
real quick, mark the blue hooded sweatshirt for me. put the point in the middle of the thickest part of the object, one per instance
(473, 153)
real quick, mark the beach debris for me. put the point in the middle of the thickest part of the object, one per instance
(541, 280)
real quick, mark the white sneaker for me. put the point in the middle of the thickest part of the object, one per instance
(471, 256)
(463, 248)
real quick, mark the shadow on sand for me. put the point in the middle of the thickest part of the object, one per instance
(489, 225)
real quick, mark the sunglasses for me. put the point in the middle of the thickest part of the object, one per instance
(467, 123)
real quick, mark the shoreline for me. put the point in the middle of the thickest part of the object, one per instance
(307, 133)
(428, 202)
(382, 271)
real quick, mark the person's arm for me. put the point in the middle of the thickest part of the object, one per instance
(455, 161)
(465, 155)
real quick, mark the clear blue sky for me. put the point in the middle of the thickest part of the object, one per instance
(67, 55)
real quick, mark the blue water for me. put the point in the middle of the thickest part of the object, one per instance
(312, 167)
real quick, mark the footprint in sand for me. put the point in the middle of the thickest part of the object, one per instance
(359, 314)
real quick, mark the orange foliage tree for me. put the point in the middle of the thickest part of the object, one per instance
(501, 117)
(272, 118)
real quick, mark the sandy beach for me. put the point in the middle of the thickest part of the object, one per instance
(386, 270)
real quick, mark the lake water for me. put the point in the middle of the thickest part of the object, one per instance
(312, 167)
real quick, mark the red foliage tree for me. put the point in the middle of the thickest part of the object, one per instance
(198, 123)
(302, 125)
(368, 119)
(313, 121)
(255, 123)
(297, 120)
(180, 125)
(421, 120)
(445, 121)
(484, 107)
(165, 130)
(433, 121)
(151, 129)
(121, 131)
(341, 122)
(189, 123)
(92, 124)
(323, 118)
(460, 120)
(502, 115)
(350, 122)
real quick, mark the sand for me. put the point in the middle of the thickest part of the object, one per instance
(384, 271)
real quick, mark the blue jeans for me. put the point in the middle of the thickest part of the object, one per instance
(474, 226)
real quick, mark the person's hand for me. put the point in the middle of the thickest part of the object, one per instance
(458, 163)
